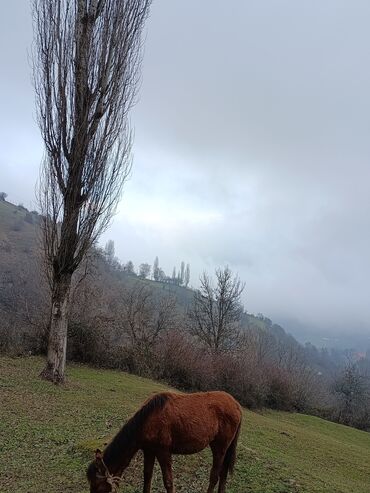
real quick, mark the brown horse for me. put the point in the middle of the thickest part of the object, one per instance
(167, 424)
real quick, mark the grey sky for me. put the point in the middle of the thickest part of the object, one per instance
(252, 148)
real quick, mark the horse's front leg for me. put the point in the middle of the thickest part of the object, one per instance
(149, 459)
(165, 461)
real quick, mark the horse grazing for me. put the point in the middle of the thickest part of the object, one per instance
(171, 423)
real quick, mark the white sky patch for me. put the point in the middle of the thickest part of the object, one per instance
(165, 217)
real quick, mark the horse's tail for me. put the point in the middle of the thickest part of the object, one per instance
(230, 457)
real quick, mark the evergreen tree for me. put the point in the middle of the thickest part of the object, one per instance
(187, 275)
(182, 273)
(156, 269)
(109, 252)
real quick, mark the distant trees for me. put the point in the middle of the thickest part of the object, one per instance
(109, 252)
(129, 268)
(179, 278)
(86, 60)
(144, 270)
(144, 318)
(182, 273)
(3, 196)
(216, 310)
(156, 269)
(352, 391)
(187, 275)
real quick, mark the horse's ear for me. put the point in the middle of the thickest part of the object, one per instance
(98, 454)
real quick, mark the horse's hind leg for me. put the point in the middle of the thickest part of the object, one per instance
(223, 479)
(218, 459)
(165, 461)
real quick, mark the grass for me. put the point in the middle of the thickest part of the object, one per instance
(18, 238)
(48, 433)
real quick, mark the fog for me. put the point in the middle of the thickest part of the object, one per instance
(251, 149)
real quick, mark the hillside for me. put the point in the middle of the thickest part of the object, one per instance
(24, 300)
(20, 240)
(19, 245)
(18, 228)
(49, 433)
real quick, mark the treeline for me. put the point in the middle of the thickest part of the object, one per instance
(179, 277)
(210, 342)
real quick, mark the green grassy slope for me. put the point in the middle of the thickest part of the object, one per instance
(18, 229)
(47, 435)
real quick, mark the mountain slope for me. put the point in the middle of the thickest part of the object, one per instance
(20, 243)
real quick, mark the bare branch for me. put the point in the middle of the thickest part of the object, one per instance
(87, 56)
(216, 310)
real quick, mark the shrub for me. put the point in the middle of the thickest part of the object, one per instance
(279, 390)
(28, 218)
(17, 225)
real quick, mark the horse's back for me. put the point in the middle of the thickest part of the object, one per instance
(188, 423)
(220, 403)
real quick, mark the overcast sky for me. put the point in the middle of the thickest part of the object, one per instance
(252, 149)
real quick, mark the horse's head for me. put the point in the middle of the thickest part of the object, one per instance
(99, 477)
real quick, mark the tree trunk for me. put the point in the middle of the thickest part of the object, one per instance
(57, 345)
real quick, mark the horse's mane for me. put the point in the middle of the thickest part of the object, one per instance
(125, 438)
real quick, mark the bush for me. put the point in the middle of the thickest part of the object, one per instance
(280, 393)
(28, 218)
(17, 225)
(181, 364)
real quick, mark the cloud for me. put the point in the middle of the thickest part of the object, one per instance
(251, 148)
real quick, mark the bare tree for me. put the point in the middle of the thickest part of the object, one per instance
(216, 310)
(352, 392)
(145, 317)
(260, 345)
(86, 59)
(144, 270)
